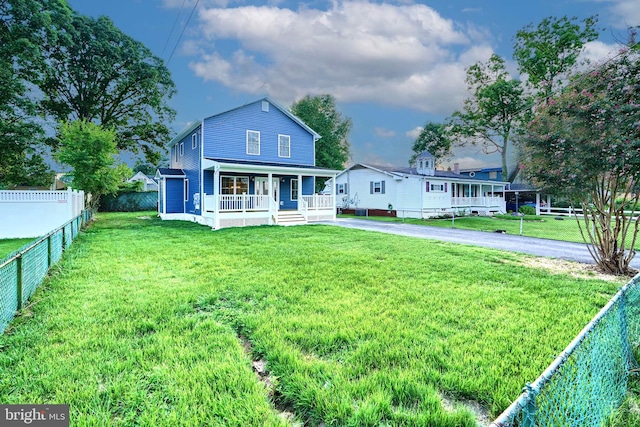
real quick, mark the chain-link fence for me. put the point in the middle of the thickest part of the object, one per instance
(588, 380)
(21, 272)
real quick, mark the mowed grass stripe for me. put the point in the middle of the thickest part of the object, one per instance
(140, 326)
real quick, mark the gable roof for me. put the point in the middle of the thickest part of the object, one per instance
(189, 129)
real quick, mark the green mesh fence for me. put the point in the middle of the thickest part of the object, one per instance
(588, 381)
(56, 246)
(24, 270)
(35, 264)
(8, 292)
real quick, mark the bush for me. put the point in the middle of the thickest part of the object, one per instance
(527, 210)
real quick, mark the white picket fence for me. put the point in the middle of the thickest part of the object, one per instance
(35, 213)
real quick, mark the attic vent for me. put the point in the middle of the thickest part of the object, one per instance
(265, 106)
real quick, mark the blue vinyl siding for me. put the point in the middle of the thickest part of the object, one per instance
(190, 163)
(308, 185)
(175, 195)
(226, 136)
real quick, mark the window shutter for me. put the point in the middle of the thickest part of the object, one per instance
(427, 186)
(336, 188)
(382, 187)
(370, 187)
(445, 187)
(345, 189)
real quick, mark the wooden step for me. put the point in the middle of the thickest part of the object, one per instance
(290, 218)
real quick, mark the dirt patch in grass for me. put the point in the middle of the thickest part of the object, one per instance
(574, 269)
(451, 405)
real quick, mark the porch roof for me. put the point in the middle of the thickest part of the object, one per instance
(265, 167)
(169, 173)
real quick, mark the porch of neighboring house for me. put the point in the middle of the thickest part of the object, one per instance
(482, 199)
(243, 195)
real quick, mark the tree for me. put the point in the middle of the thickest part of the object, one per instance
(494, 113)
(585, 145)
(434, 139)
(22, 26)
(94, 72)
(321, 115)
(548, 52)
(89, 150)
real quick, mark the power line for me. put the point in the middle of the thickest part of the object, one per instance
(172, 28)
(183, 30)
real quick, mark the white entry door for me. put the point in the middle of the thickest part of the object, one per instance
(262, 188)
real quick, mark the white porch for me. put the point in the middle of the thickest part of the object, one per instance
(255, 194)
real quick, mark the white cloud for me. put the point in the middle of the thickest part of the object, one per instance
(626, 13)
(384, 133)
(406, 55)
(414, 133)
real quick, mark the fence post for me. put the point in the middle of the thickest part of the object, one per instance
(49, 252)
(521, 219)
(453, 218)
(19, 279)
(530, 407)
(64, 238)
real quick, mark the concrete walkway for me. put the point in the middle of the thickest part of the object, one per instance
(507, 242)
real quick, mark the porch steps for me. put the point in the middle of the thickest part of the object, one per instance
(290, 218)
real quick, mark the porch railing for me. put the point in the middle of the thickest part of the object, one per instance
(319, 201)
(477, 201)
(233, 202)
(303, 208)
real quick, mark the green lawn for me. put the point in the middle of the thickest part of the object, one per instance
(545, 227)
(156, 323)
(11, 245)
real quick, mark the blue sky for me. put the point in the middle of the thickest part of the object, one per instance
(392, 66)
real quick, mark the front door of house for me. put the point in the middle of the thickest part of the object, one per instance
(262, 188)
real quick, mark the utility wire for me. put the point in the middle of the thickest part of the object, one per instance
(172, 28)
(183, 30)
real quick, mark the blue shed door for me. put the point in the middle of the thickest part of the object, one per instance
(175, 195)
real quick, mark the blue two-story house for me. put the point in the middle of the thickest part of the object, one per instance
(252, 165)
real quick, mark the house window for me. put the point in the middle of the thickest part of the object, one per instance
(294, 189)
(284, 146)
(376, 187)
(342, 189)
(265, 106)
(234, 185)
(181, 149)
(194, 141)
(186, 190)
(436, 187)
(253, 142)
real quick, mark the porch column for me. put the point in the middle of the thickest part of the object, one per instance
(537, 203)
(270, 189)
(333, 192)
(216, 197)
(549, 204)
(299, 190)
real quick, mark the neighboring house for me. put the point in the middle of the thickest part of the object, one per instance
(417, 192)
(149, 182)
(486, 174)
(251, 165)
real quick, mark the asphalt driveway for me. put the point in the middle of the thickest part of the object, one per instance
(508, 242)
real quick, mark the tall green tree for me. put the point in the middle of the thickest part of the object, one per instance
(94, 72)
(585, 145)
(548, 52)
(321, 114)
(90, 150)
(434, 139)
(23, 26)
(495, 112)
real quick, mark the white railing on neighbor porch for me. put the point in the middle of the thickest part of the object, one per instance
(319, 201)
(477, 201)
